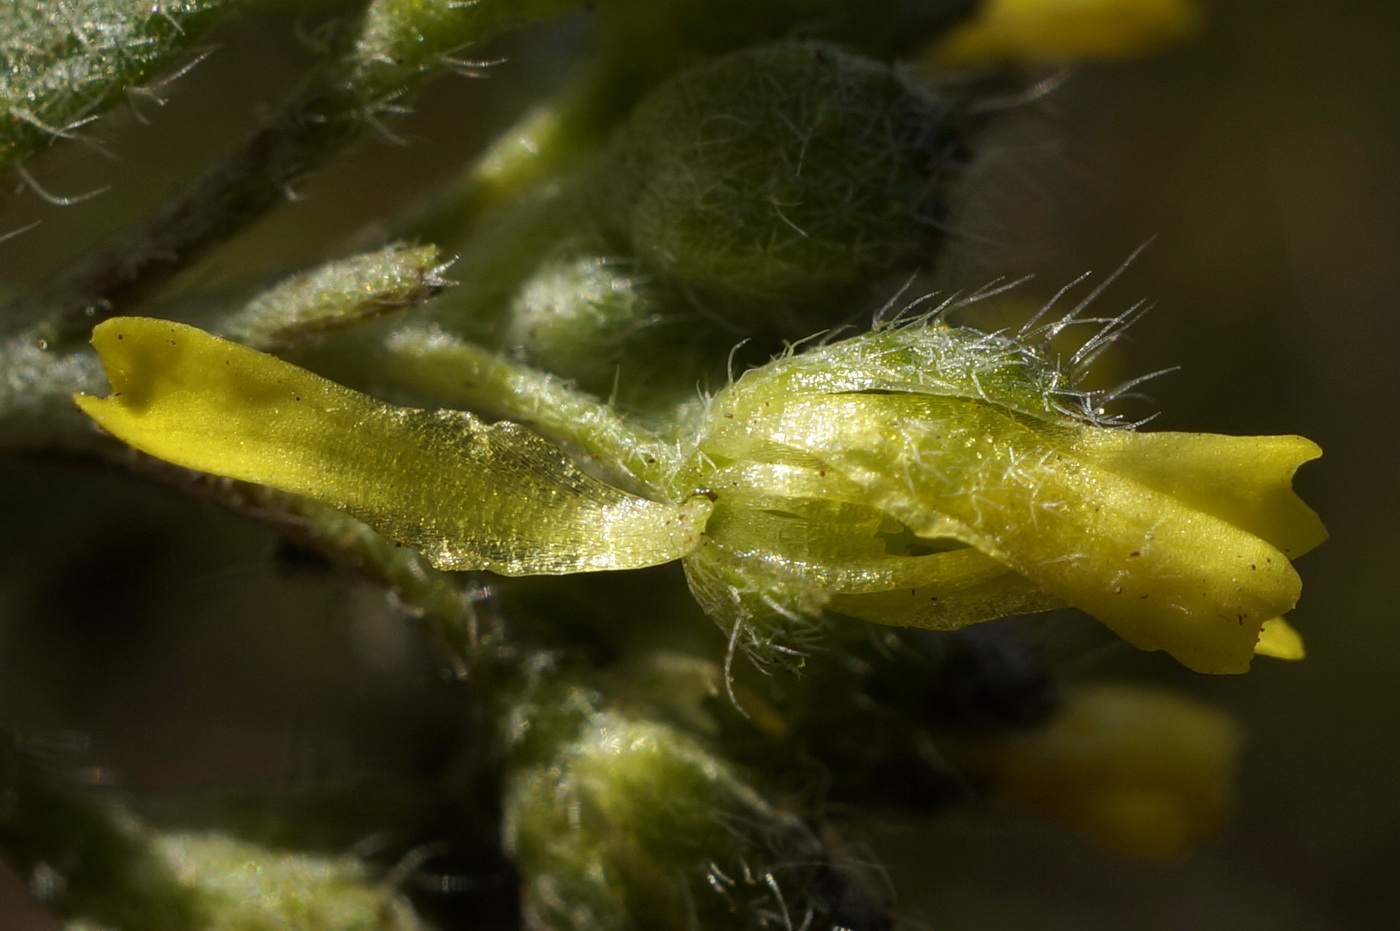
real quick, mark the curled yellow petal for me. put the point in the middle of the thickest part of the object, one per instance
(468, 494)
(953, 601)
(825, 532)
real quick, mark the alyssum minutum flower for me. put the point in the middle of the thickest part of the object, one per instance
(918, 474)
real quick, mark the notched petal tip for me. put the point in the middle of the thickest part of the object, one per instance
(141, 358)
(1245, 480)
(126, 347)
(1226, 515)
(190, 398)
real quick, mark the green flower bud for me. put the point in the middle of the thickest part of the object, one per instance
(783, 172)
(745, 194)
(337, 295)
(400, 37)
(101, 867)
(238, 886)
(580, 318)
(624, 823)
(61, 65)
(613, 331)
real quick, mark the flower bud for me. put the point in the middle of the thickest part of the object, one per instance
(919, 474)
(1140, 770)
(783, 172)
(582, 318)
(238, 886)
(621, 823)
(929, 475)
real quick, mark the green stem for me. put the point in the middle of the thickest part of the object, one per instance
(401, 44)
(538, 146)
(439, 597)
(36, 389)
(461, 374)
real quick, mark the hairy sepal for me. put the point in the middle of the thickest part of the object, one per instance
(1178, 542)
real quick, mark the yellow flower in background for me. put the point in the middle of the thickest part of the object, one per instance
(917, 475)
(1050, 31)
(1140, 770)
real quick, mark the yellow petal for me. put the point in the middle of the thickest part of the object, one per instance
(1032, 31)
(468, 494)
(1143, 771)
(1279, 640)
(1246, 480)
(953, 601)
(816, 524)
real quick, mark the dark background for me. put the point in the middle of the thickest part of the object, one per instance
(156, 645)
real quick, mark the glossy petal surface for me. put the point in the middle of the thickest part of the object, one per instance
(468, 494)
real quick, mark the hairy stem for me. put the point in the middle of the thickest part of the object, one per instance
(399, 46)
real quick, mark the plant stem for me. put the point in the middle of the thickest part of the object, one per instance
(468, 376)
(400, 45)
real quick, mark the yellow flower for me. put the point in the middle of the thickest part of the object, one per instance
(1140, 770)
(918, 475)
(1034, 31)
(933, 476)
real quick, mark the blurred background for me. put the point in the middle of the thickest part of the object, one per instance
(162, 646)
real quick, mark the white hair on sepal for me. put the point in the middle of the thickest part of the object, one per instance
(896, 312)
(1035, 92)
(18, 231)
(154, 91)
(1064, 377)
(892, 310)
(471, 67)
(1064, 391)
(28, 181)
